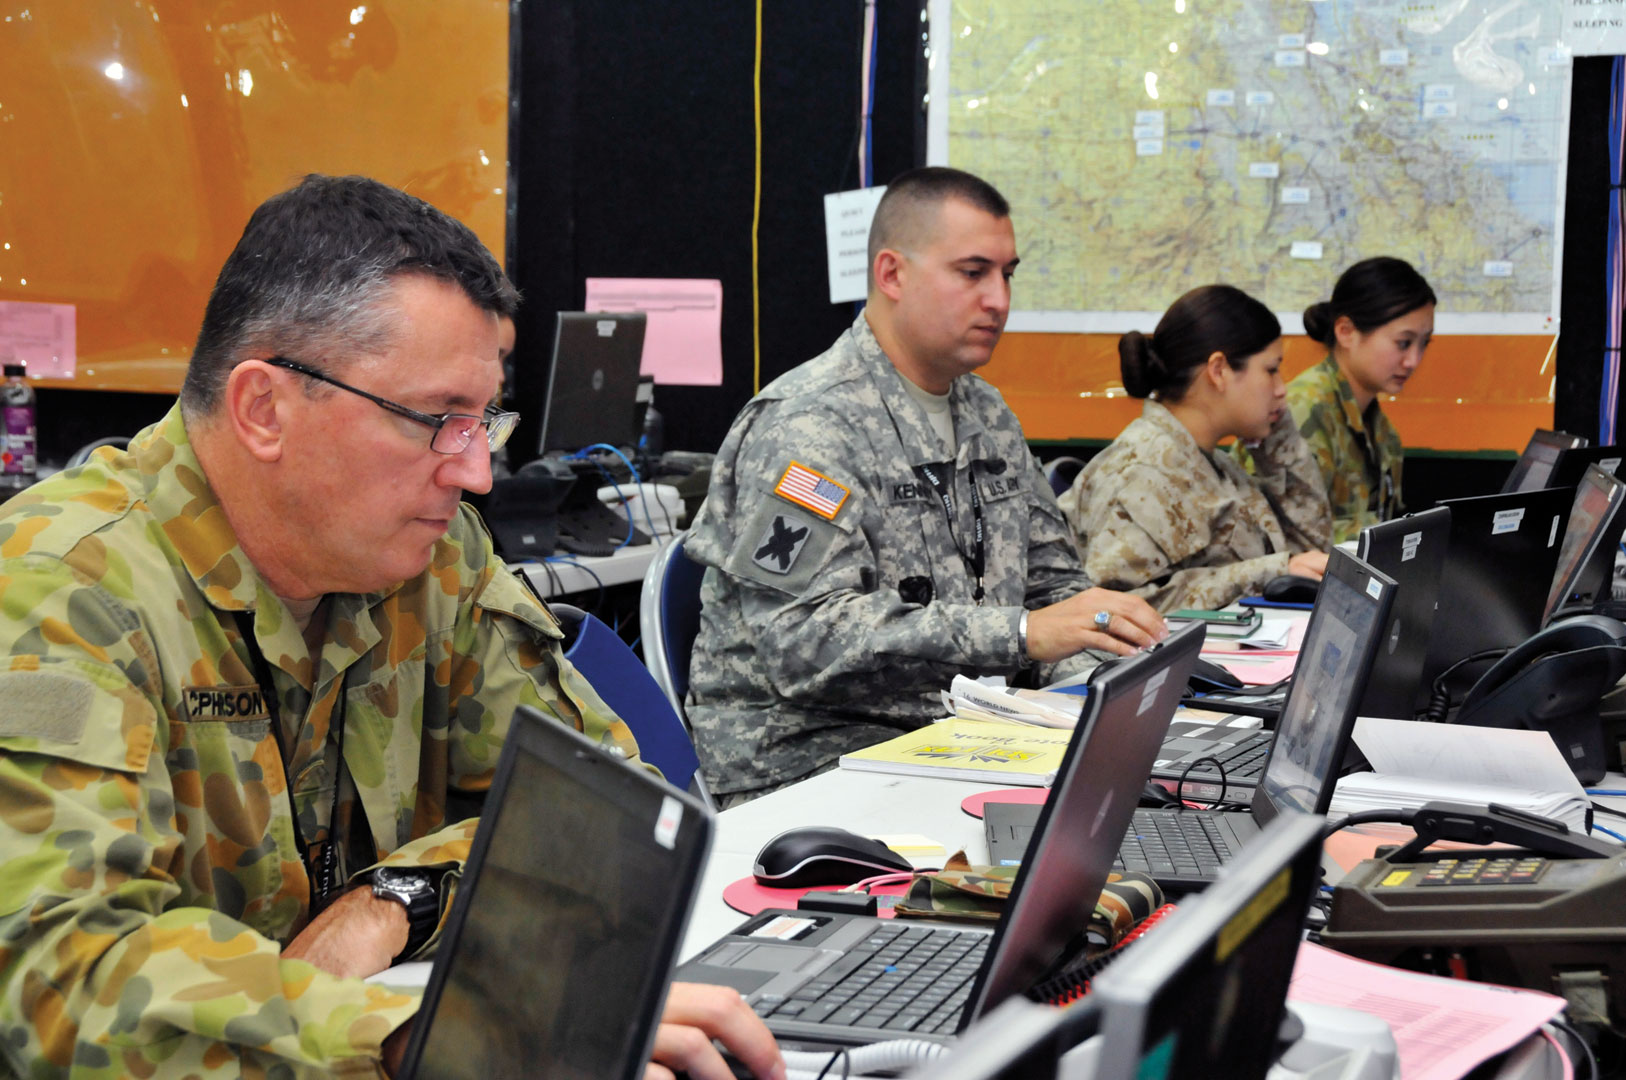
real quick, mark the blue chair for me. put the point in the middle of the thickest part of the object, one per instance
(1061, 472)
(626, 686)
(669, 618)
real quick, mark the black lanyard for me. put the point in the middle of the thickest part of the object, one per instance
(975, 561)
(322, 874)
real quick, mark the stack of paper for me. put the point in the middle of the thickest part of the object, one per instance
(1272, 633)
(1414, 763)
(970, 699)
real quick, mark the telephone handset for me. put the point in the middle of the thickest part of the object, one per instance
(1553, 682)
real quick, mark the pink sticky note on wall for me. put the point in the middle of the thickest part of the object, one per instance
(42, 336)
(683, 343)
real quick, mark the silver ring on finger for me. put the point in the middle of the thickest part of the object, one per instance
(1103, 619)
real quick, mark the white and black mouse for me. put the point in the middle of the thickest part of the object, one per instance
(824, 855)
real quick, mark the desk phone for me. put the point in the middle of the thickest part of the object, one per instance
(1545, 914)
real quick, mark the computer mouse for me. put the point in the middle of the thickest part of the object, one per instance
(1291, 589)
(1207, 677)
(824, 855)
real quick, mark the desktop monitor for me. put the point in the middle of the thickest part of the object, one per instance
(1535, 466)
(1586, 560)
(593, 384)
(1204, 993)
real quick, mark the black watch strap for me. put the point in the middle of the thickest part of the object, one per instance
(416, 890)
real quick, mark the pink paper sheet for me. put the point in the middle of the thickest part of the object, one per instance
(683, 343)
(1443, 1027)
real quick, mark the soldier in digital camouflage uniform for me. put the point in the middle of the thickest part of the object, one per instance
(845, 582)
(1161, 512)
(196, 625)
(1376, 327)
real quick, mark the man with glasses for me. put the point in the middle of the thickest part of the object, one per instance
(261, 665)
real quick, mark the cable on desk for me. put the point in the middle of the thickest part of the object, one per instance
(1608, 832)
(1439, 701)
(1586, 1050)
(1605, 791)
(1398, 817)
(1600, 808)
(598, 604)
(1180, 785)
(620, 496)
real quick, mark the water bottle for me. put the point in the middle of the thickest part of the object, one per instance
(17, 438)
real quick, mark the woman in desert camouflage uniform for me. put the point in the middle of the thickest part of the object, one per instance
(1161, 512)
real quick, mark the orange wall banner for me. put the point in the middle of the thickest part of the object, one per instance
(1472, 392)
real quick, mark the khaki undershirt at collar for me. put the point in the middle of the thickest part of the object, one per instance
(938, 414)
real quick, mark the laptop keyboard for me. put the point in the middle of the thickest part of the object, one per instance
(1243, 760)
(902, 978)
(1166, 843)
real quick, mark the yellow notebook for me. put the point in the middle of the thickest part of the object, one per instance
(977, 750)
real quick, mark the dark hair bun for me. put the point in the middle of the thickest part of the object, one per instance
(1142, 369)
(1318, 320)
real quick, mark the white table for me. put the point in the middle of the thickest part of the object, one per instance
(559, 577)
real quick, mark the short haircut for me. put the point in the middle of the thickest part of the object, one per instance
(1207, 320)
(1371, 293)
(905, 214)
(311, 276)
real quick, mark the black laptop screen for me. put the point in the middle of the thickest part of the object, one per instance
(1326, 682)
(1597, 502)
(580, 893)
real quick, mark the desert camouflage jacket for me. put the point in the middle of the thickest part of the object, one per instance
(1360, 456)
(837, 602)
(1158, 517)
(149, 873)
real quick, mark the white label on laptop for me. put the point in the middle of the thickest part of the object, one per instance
(784, 928)
(1506, 521)
(1409, 545)
(1374, 588)
(1609, 464)
(1149, 694)
(666, 826)
(606, 327)
(1552, 533)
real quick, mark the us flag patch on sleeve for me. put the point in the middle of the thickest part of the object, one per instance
(813, 490)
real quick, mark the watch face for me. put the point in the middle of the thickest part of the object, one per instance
(407, 881)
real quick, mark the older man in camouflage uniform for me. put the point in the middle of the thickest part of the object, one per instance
(261, 650)
(876, 523)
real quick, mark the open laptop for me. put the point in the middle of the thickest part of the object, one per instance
(1412, 551)
(559, 944)
(1535, 466)
(593, 383)
(1241, 754)
(821, 979)
(1183, 849)
(1498, 571)
(1195, 997)
(1586, 559)
(1573, 464)
(1204, 992)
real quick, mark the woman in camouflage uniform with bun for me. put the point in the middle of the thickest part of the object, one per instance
(1161, 512)
(1375, 327)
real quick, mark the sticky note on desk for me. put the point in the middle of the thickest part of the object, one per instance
(911, 844)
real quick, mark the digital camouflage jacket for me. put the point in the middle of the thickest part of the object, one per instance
(1360, 456)
(1159, 517)
(839, 598)
(149, 873)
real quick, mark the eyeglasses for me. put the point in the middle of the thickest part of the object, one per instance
(453, 431)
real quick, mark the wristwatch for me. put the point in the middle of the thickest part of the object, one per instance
(414, 890)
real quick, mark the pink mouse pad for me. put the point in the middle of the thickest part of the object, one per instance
(747, 897)
(972, 804)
